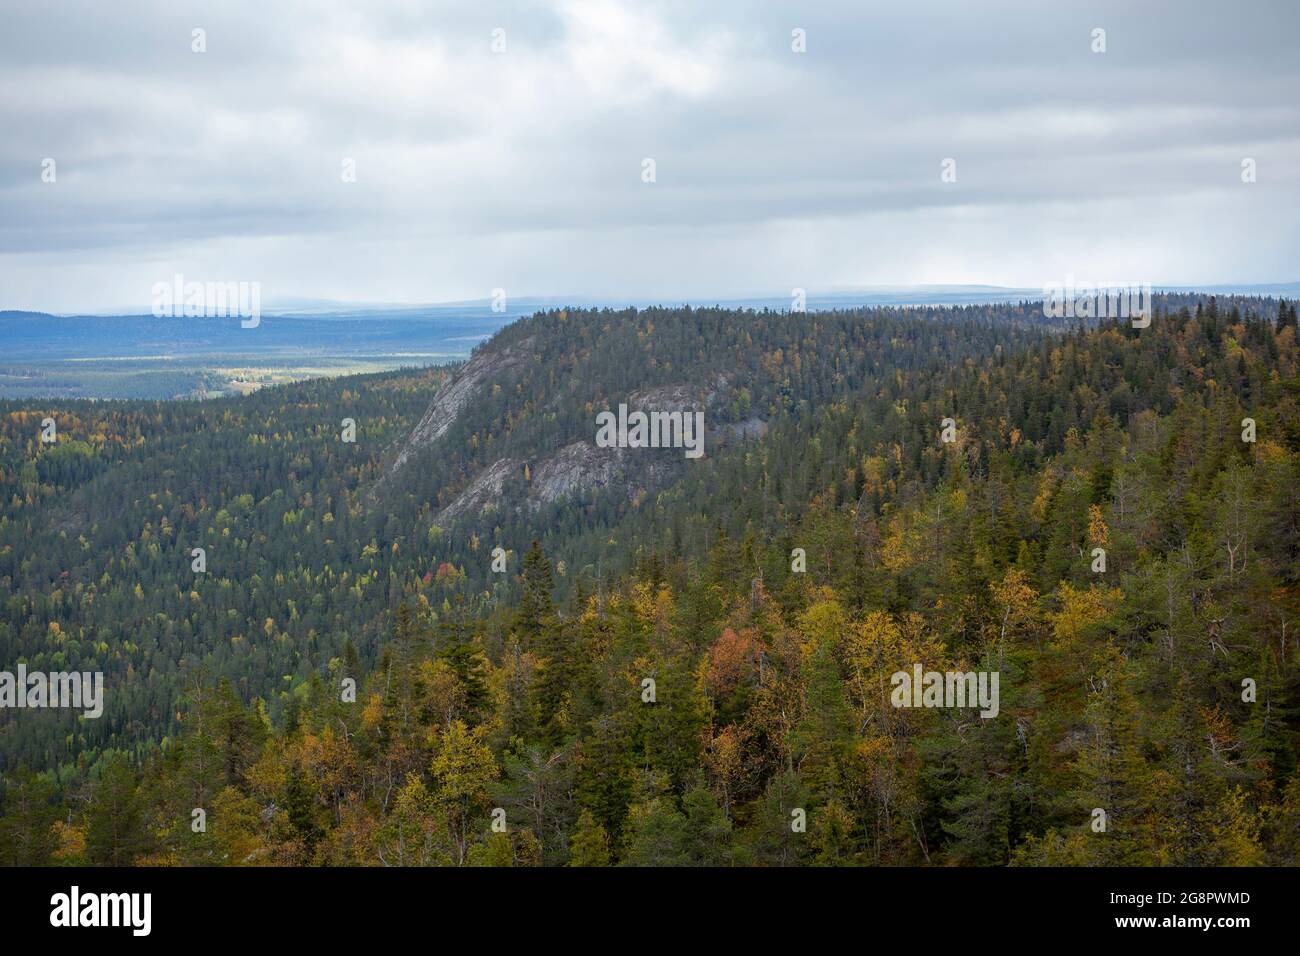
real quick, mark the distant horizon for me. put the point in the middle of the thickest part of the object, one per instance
(937, 293)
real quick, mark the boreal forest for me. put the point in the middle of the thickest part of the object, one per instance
(456, 633)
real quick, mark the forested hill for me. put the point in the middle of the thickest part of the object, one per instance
(505, 452)
(327, 559)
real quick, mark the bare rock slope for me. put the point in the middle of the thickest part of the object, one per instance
(457, 392)
(576, 469)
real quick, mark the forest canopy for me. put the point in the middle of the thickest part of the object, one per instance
(348, 682)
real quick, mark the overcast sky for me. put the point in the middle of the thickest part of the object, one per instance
(523, 169)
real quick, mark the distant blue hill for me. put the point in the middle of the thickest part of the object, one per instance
(141, 356)
(34, 336)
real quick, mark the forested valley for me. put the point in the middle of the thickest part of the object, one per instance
(764, 594)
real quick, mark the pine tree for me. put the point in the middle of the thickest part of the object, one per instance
(116, 832)
(464, 657)
(536, 609)
(1113, 777)
(589, 845)
(539, 628)
(26, 828)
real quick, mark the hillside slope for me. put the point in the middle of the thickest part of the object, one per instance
(768, 592)
(311, 542)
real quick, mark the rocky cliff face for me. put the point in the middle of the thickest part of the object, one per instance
(483, 494)
(455, 394)
(451, 398)
(576, 469)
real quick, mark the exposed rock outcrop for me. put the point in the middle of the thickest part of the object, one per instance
(451, 398)
(483, 493)
(579, 468)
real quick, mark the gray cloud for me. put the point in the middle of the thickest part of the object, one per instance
(522, 170)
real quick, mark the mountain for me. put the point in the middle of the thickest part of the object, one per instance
(877, 488)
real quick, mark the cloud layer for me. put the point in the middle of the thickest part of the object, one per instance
(522, 169)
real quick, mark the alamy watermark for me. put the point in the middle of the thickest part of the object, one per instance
(38, 689)
(242, 300)
(946, 689)
(1111, 300)
(651, 430)
(75, 908)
